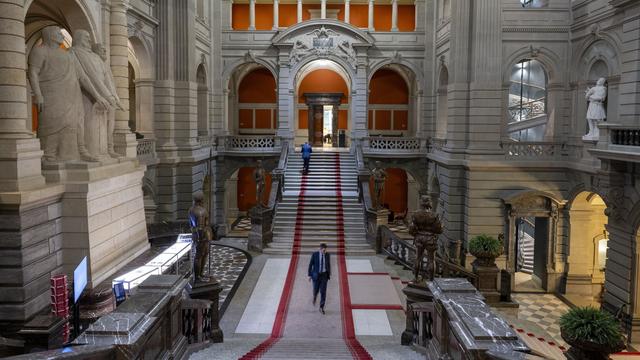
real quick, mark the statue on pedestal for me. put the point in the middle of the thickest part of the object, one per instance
(259, 175)
(425, 228)
(99, 122)
(57, 80)
(596, 111)
(201, 234)
(379, 177)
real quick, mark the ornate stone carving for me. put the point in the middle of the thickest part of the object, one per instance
(57, 79)
(615, 202)
(596, 111)
(323, 42)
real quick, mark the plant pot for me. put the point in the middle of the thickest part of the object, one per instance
(483, 260)
(587, 350)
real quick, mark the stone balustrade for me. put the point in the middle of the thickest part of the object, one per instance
(533, 150)
(394, 146)
(146, 151)
(249, 144)
(618, 142)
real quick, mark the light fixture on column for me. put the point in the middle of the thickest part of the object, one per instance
(602, 250)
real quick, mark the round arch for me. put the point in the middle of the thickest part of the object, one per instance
(549, 60)
(240, 66)
(69, 14)
(251, 100)
(442, 102)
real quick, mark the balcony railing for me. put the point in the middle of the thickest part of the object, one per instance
(394, 146)
(146, 151)
(618, 142)
(533, 150)
(249, 143)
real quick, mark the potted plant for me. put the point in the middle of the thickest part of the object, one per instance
(593, 334)
(486, 249)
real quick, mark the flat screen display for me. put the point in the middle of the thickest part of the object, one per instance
(79, 279)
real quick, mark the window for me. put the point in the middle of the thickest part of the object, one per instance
(527, 101)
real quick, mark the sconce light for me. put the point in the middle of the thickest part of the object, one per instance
(602, 251)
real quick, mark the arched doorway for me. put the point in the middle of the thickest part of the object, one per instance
(389, 110)
(323, 97)
(252, 101)
(588, 240)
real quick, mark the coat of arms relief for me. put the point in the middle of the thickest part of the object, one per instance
(323, 42)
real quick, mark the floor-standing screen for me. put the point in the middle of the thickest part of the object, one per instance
(79, 279)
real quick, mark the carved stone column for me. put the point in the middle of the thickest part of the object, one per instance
(20, 153)
(371, 27)
(252, 14)
(394, 15)
(299, 11)
(323, 9)
(124, 140)
(347, 11)
(276, 18)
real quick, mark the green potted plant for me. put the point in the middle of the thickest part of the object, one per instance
(592, 333)
(486, 249)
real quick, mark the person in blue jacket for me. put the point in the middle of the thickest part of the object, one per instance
(306, 156)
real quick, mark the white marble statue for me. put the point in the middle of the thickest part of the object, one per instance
(99, 122)
(56, 79)
(596, 112)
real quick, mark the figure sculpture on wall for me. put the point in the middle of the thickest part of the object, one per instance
(99, 122)
(425, 228)
(259, 175)
(299, 51)
(379, 177)
(57, 79)
(596, 111)
(201, 234)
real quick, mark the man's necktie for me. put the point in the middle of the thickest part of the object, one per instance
(321, 262)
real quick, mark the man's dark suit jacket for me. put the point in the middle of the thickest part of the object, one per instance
(314, 265)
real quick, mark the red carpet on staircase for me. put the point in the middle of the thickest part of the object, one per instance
(355, 348)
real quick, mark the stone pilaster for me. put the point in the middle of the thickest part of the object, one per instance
(630, 78)
(286, 105)
(124, 139)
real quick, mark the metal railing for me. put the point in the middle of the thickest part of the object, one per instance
(146, 151)
(527, 110)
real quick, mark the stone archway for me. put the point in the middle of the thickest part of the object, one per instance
(532, 226)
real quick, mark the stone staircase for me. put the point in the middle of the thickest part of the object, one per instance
(309, 349)
(320, 205)
(525, 255)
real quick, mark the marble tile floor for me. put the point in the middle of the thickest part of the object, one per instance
(227, 265)
(240, 227)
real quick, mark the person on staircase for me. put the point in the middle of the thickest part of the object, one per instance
(320, 273)
(306, 156)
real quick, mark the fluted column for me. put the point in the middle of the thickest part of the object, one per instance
(323, 9)
(299, 11)
(276, 18)
(394, 15)
(371, 27)
(347, 11)
(252, 14)
(20, 153)
(124, 140)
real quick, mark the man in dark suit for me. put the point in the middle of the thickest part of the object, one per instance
(320, 273)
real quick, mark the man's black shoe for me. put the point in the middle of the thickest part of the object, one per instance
(322, 310)
(314, 300)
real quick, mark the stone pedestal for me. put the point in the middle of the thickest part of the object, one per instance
(102, 215)
(260, 233)
(210, 291)
(383, 217)
(488, 282)
(415, 293)
(43, 332)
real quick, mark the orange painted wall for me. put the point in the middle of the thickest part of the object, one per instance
(323, 81)
(395, 190)
(259, 86)
(343, 119)
(400, 119)
(388, 87)
(383, 120)
(263, 119)
(34, 117)
(288, 16)
(303, 119)
(246, 192)
(245, 118)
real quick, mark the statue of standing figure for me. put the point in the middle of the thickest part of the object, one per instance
(596, 111)
(425, 228)
(201, 234)
(57, 80)
(379, 177)
(259, 175)
(99, 123)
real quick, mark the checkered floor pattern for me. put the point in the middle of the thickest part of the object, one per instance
(544, 310)
(243, 225)
(227, 264)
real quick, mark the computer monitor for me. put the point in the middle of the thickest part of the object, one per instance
(79, 279)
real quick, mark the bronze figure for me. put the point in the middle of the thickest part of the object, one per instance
(201, 233)
(425, 228)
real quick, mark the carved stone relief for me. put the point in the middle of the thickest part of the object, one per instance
(323, 42)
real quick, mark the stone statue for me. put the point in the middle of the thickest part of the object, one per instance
(347, 49)
(379, 177)
(596, 112)
(425, 228)
(259, 175)
(299, 51)
(99, 123)
(56, 78)
(201, 234)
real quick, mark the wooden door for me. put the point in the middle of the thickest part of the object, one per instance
(318, 125)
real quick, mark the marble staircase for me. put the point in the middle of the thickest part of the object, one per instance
(320, 205)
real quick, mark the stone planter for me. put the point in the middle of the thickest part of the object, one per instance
(487, 271)
(587, 350)
(485, 261)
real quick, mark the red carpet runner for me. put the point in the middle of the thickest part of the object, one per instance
(357, 350)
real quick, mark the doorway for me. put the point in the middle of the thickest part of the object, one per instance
(323, 118)
(532, 237)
